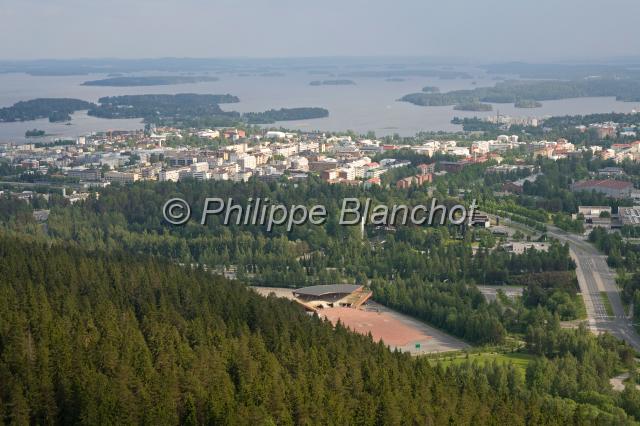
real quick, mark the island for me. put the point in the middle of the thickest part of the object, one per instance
(284, 114)
(194, 110)
(627, 90)
(55, 109)
(475, 124)
(332, 83)
(152, 108)
(149, 81)
(186, 109)
(272, 74)
(429, 73)
(35, 133)
(527, 103)
(473, 106)
(431, 89)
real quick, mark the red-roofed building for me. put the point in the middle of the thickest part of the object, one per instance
(608, 187)
(620, 146)
(234, 134)
(371, 182)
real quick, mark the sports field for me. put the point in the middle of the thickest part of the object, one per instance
(393, 328)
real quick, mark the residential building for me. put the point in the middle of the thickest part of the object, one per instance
(122, 177)
(521, 247)
(85, 174)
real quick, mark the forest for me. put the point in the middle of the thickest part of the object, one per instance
(438, 288)
(110, 315)
(89, 337)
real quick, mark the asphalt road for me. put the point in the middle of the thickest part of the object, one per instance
(596, 277)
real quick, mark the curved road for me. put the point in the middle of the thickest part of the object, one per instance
(594, 277)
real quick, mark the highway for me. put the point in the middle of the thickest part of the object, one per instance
(596, 277)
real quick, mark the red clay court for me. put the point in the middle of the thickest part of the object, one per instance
(395, 329)
(382, 325)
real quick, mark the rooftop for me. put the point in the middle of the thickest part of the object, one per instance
(322, 290)
(608, 183)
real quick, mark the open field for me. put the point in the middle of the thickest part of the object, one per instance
(393, 328)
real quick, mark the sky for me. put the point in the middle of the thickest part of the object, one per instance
(533, 30)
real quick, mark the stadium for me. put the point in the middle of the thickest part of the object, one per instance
(331, 296)
(351, 305)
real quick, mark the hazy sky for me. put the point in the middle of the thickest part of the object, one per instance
(475, 29)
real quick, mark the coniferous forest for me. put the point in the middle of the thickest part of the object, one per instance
(94, 338)
(110, 316)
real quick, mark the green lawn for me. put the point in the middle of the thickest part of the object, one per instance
(606, 303)
(582, 309)
(517, 359)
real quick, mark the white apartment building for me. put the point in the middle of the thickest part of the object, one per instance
(202, 166)
(348, 173)
(219, 175)
(208, 134)
(284, 150)
(121, 177)
(202, 175)
(239, 148)
(247, 162)
(275, 135)
(169, 175)
(242, 176)
(299, 163)
(374, 173)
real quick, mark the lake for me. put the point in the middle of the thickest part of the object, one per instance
(370, 104)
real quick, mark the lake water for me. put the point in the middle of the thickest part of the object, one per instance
(371, 104)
